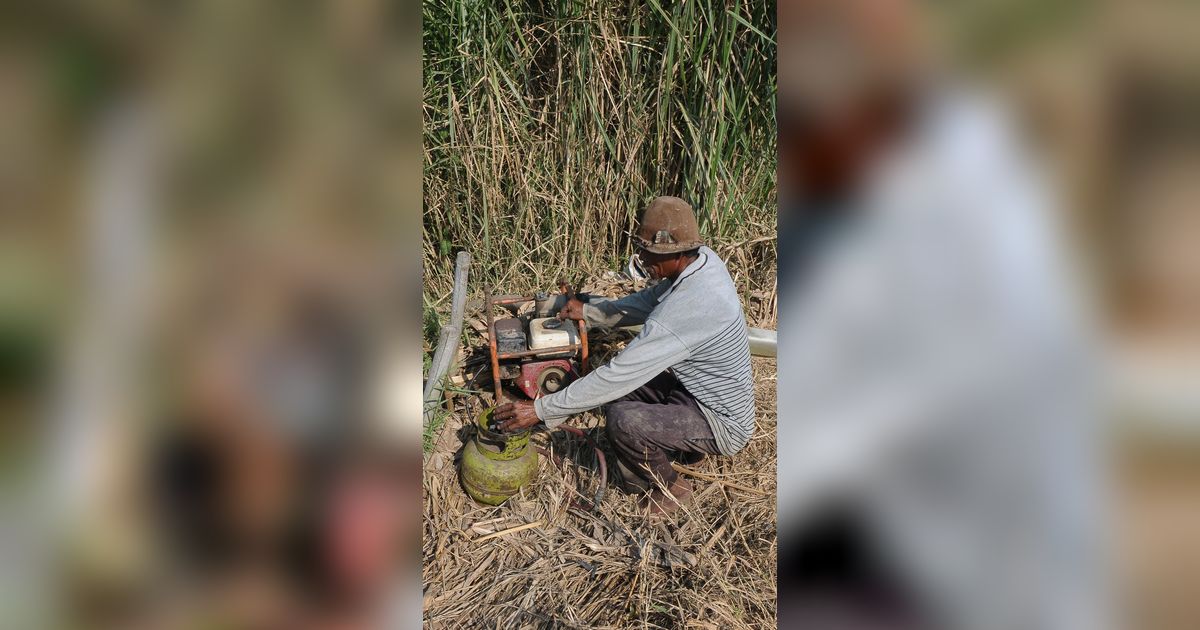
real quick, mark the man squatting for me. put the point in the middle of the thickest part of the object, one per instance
(682, 389)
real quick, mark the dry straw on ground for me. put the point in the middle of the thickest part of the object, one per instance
(544, 560)
(710, 565)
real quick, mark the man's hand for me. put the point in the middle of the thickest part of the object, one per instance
(573, 309)
(515, 416)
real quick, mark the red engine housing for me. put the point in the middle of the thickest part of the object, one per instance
(532, 371)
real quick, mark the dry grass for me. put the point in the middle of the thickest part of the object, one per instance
(549, 125)
(711, 565)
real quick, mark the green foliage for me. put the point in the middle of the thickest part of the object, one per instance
(549, 125)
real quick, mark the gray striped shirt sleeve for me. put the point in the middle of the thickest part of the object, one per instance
(655, 349)
(630, 310)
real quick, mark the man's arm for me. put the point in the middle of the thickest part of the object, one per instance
(655, 349)
(646, 356)
(630, 310)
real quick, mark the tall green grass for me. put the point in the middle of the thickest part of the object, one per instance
(550, 124)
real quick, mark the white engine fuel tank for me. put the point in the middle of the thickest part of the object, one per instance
(548, 332)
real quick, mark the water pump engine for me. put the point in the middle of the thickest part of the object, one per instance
(535, 351)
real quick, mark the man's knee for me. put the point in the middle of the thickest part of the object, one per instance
(621, 422)
(612, 421)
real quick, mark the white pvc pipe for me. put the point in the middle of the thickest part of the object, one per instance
(763, 342)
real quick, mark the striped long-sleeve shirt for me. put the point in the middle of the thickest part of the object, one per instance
(694, 326)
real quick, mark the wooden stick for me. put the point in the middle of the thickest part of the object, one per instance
(736, 486)
(487, 522)
(510, 531)
(482, 527)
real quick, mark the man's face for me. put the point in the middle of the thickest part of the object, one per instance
(659, 266)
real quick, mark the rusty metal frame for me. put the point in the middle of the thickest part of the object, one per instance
(491, 324)
(583, 358)
(529, 353)
(490, 302)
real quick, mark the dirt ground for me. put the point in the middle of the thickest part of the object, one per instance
(711, 565)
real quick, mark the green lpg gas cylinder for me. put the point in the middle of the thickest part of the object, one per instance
(495, 465)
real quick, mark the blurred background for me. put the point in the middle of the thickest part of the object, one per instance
(194, 190)
(209, 315)
(1088, 108)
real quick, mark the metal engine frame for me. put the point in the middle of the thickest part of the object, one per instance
(531, 370)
